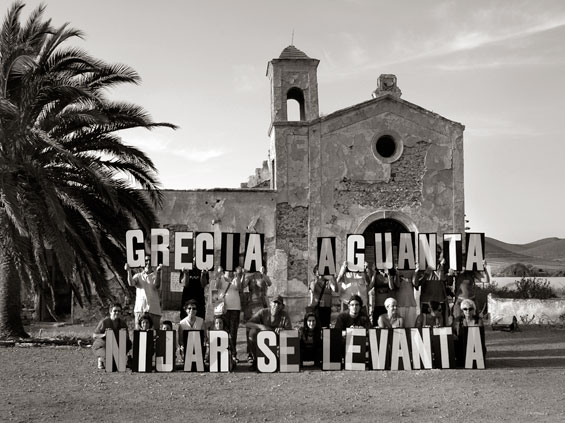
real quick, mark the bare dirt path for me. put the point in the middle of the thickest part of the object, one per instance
(524, 382)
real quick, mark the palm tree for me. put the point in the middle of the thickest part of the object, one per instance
(68, 184)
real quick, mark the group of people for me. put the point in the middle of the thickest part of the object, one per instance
(375, 298)
(398, 298)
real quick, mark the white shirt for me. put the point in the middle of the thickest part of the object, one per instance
(231, 300)
(147, 298)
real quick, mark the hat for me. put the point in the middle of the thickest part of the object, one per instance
(278, 299)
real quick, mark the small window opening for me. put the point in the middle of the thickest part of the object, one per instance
(295, 105)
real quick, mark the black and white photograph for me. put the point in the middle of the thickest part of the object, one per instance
(241, 211)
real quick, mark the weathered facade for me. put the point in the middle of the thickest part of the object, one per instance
(384, 164)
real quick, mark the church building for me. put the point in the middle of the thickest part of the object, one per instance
(383, 165)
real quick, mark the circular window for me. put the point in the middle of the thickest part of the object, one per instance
(387, 147)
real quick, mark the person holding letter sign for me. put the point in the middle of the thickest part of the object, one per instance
(228, 289)
(257, 284)
(272, 318)
(194, 281)
(147, 298)
(433, 283)
(391, 319)
(321, 296)
(113, 322)
(404, 280)
(353, 318)
(382, 288)
(355, 283)
(311, 340)
(460, 328)
(191, 321)
(465, 282)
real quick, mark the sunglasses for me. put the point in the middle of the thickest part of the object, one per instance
(191, 308)
(467, 309)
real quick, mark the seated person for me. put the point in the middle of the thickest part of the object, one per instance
(469, 317)
(145, 322)
(465, 291)
(431, 315)
(271, 318)
(460, 325)
(113, 322)
(190, 322)
(391, 319)
(311, 340)
(219, 323)
(166, 325)
(353, 318)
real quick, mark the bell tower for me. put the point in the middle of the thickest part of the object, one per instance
(293, 77)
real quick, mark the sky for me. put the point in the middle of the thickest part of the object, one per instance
(498, 67)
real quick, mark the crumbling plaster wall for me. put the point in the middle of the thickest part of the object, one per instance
(224, 210)
(289, 148)
(348, 183)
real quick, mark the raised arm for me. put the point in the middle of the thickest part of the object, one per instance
(342, 271)
(219, 278)
(367, 274)
(131, 281)
(265, 277)
(333, 283)
(183, 279)
(158, 276)
(204, 278)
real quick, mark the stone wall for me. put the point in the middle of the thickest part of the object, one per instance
(403, 188)
(217, 211)
(292, 237)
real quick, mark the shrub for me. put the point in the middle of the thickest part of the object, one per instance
(534, 288)
(525, 288)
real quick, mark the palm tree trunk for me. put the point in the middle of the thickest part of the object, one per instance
(11, 325)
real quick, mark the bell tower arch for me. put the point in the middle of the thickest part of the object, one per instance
(293, 76)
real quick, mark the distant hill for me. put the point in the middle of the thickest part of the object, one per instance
(546, 256)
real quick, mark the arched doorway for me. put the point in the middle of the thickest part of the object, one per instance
(382, 226)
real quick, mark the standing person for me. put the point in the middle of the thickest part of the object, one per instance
(243, 296)
(113, 322)
(321, 290)
(257, 283)
(229, 291)
(433, 284)
(268, 318)
(355, 283)
(383, 288)
(194, 280)
(147, 298)
(405, 300)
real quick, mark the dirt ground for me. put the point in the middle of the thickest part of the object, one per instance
(524, 382)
